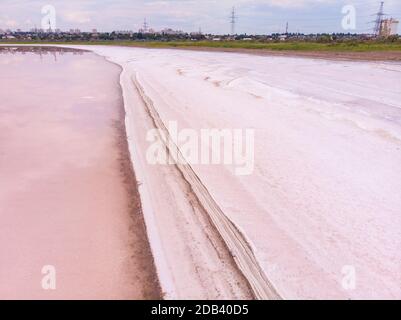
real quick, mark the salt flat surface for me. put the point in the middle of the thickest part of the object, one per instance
(326, 190)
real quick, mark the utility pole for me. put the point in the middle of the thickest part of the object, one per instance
(379, 19)
(233, 21)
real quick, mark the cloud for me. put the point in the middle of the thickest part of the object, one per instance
(77, 16)
(288, 3)
(254, 16)
(8, 23)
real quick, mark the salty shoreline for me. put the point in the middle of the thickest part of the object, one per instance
(325, 55)
(282, 246)
(140, 245)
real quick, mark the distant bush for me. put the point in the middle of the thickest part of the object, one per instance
(324, 39)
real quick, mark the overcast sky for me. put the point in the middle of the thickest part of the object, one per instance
(254, 16)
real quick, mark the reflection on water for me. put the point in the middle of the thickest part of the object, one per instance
(41, 51)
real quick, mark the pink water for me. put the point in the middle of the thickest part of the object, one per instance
(63, 201)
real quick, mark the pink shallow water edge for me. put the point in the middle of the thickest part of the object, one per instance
(63, 202)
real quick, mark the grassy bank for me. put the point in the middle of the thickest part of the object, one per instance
(276, 46)
(285, 46)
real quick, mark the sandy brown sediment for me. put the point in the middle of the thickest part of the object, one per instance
(141, 263)
(329, 55)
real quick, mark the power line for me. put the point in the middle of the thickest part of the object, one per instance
(233, 21)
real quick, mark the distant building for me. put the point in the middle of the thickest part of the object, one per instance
(95, 34)
(282, 37)
(389, 27)
(147, 31)
(169, 31)
(126, 32)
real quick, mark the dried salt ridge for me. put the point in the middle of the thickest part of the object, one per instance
(233, 238)
(326, 191)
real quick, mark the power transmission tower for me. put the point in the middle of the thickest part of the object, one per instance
(286, 29)
(379, 19)
(233, 21)
(145, 26)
